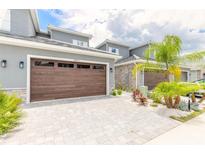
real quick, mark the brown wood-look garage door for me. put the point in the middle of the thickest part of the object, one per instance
(52, 79)
(151, 79)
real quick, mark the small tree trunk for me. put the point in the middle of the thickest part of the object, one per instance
(177, 101)
(193, 98)
(170, 102)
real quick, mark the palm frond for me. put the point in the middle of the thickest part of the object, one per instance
(147, 67)
(194, 56)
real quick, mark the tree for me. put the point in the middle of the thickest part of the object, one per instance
(167, 57)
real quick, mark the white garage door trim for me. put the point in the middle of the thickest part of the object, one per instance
(62, 59)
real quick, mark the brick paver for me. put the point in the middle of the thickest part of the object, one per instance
(106, 120)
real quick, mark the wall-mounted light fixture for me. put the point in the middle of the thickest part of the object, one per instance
(3, 63)
(21, 64)
(111, 70)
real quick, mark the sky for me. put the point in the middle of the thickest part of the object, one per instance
(133, 27)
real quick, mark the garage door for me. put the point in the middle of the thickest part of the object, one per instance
(52, 79)
(151, 79)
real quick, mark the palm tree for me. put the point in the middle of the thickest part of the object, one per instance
(167, 57)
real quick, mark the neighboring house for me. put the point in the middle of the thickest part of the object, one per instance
(51, 65)
(124, 66)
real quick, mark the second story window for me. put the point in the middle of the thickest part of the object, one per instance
(5, 20)
(114, 50)
(80, 43)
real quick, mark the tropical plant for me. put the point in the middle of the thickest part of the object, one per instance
(114, 92)
(170, 92)
(119, 91)
(138, 97)
(10, 111)
(167, 57)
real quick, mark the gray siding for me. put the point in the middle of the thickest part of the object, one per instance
(138, 51)
(123, 51)
(21, 22)
(103, 47)
(14, 77)
(65, 37)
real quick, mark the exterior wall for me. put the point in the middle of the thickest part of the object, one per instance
(123, 51)
(195, 75)
(65, 37)
(21, 22)
(103, 48)
(14, 77)
(124, 78)
(21, 92)
(140, 52)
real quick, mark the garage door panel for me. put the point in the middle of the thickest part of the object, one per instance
(57, 82)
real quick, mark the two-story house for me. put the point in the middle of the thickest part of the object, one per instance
(51, 65)
(136, 55)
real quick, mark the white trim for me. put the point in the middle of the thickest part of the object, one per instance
(56, 48)
(34, 15)
(144, 61)
(51, 27)
(24, 88)
(63, 59)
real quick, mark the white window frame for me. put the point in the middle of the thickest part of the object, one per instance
(111, 48)
(80, 43)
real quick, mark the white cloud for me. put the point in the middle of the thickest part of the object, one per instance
(137, 26)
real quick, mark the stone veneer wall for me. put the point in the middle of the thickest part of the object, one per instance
(19, 92)
(124, 78)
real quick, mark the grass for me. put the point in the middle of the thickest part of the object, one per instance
(154, 105)
(188, 117)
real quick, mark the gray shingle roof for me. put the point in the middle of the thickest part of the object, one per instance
(52, 42)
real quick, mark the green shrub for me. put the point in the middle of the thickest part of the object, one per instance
(119, 91)
(10, 111)
(170, 91)
(114, 92)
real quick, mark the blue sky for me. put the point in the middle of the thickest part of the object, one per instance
(46, 18)
(133, 27)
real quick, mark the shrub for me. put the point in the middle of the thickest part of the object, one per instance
(138, 97)
(114, 92)
(170, 92)
(119, 91)
(10, 112)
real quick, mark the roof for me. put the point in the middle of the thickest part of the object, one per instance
(139, 46)
(69, 31)
(128, 59)
(113, 42)
(47, 41)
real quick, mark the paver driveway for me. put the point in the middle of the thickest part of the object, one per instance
(106, 120)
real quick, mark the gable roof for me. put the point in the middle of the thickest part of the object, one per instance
(128, 59)
(139, 46)
(69, 31)
(113, 42)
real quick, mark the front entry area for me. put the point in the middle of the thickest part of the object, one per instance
(53, 79)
